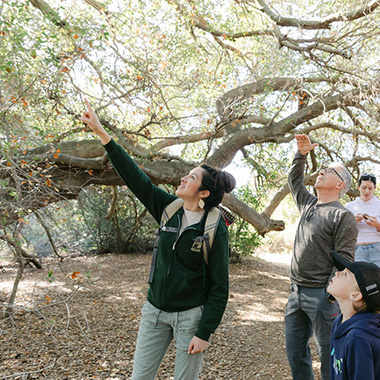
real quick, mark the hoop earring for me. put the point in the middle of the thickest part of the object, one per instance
(201, 204)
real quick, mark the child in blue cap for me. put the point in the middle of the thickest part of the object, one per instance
(355, 336)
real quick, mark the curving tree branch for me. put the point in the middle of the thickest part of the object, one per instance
(319, 24)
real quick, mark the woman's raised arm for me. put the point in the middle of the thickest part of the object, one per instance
(89, 117)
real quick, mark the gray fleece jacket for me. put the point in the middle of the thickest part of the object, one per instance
(322, 228)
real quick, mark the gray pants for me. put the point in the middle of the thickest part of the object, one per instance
(157, 329)
(308, 312)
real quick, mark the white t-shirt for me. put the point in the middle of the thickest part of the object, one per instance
(367, 234)
(190, 217)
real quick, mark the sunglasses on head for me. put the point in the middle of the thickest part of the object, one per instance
(368, 177)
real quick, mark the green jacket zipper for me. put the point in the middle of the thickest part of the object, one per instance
(172, 255)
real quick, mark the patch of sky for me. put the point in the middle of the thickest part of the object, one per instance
(242, 174)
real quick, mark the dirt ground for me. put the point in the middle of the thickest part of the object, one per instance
(78, 320)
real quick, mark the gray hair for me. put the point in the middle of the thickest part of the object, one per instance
(345, 175)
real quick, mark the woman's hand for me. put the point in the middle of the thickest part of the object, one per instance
(304, 144)
(373, 222)
(89, 117)
(197, 345)
(359, 218)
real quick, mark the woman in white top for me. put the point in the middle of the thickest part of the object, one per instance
(366, 209)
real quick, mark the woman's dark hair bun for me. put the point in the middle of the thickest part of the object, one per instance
(226, 181)
(217, 182)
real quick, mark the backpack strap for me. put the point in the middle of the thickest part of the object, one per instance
(211, 225)
(168, 212)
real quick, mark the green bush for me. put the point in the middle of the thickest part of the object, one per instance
(243, 237)
(81, 226)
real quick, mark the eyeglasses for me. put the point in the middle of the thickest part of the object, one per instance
(330, 170)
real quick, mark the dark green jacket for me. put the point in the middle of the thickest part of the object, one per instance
(181, 278)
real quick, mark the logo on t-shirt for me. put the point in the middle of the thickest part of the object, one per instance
(337, 363)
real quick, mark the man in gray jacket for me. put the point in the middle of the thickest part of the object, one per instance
(325, 225)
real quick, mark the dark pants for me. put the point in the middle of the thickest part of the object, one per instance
(308, 312)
